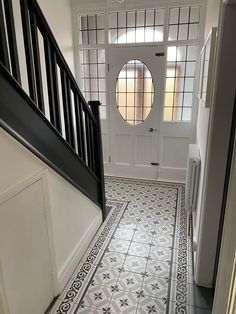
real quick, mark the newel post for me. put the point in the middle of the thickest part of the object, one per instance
(98, 152)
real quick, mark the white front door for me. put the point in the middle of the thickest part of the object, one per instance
(134, 131)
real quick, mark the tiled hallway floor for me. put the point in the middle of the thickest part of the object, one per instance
(140, 261)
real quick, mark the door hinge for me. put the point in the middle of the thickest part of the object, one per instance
(109, 158)
(108, 67)
(154, 163)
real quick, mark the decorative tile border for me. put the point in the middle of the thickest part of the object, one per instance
(74, 290)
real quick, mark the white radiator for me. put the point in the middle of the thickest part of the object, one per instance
(192, 179)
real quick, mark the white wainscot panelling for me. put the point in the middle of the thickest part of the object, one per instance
(105, 147)
(143, 149)
(24, 246)
(123, 149)
(174, 152)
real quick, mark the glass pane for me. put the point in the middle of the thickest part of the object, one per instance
(186, 116)
(177, 112)
(130, 19)
(181, 55)
(140, 35)
(184, 15)
(150, 18)
(183, 32)
(113, 20)
(134, 89)
(159, 17)
(113, 36)
(149, 34)
(92, 38)
(168, 114)
(100, 21)
(192, 53)
(169, 99)
(93, 56)
(173, 32)
(179, 85)
(91, 22)
(121, 35)
(93, 70)
(131, 35)
(100, 37)
(194, 15)
(193, 31)
(178, 99)
(180, 69)
(171, 53)
(188, 87)
(158, 36)
(170, 84)
(121, 19)
(83, 23)
(190, 68)
(140, 18)
(188, 98)
(174, 16)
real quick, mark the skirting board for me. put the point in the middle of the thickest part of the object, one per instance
(70, 265)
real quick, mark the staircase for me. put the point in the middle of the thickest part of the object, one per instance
(55, 123)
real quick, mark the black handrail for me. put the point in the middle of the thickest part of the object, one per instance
(70, 115)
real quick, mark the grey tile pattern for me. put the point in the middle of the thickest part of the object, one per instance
(145, 265)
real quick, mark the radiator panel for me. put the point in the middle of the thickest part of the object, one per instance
(192, 179)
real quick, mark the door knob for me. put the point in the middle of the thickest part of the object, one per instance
(152, 130)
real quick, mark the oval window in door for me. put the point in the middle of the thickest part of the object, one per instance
(134, 92)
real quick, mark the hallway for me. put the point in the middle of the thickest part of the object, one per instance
(140, 261)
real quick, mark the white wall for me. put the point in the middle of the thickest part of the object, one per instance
(212, 17)
(72, 218)
(58, 15)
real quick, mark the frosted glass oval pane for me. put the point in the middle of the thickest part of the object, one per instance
(134, 92)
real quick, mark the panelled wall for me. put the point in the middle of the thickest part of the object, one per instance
(174, 28)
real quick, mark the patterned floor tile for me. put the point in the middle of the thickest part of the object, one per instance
(129, 281)
(142, 237)
(162, 240)
(161, 253)
(158, 268)
(123, 234)
(107, 276)
(139, 249)
(148, 226)
(165, 229)
(97, 297)
(124, 302)
(119, 246)
(135, 264)
(81, 309)
(151, 305)
(112, 260)
(156, 287)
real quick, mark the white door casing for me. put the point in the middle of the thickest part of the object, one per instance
(133, 148)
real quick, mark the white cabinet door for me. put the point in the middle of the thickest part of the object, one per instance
(134, 144)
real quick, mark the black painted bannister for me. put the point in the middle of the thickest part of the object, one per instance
(51, 116)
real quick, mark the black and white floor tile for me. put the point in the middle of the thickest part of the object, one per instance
(141, 260)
